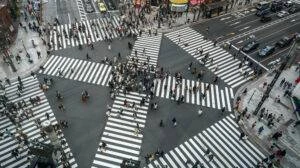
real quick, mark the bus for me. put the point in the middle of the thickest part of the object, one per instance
(263, 5)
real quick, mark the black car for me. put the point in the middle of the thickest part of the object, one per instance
(292, 9)
(263, 12)
(284, 41)
(265, 19)
(250, 46)
(266, 51)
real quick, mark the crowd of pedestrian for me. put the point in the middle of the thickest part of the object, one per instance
(21, 112)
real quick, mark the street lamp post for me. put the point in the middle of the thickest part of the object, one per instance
(27, 54)
(278, 73)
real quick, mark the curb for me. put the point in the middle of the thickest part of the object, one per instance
(202, 20)
(259, 142)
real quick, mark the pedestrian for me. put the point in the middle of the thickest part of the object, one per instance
(103, 146)
(87, 56)
(47, 115)
(38, 54)
(200, 112)
(260, 129)
(155, 106)
(280, 118)
(188, 161)
(61, 107)
(161, 123)
(174, 122)
(216, 68)
(60, 72)
(32, 74)
(7, 81)
(207, 152)
(109, 46)
(134, 115)
(215, 43)
(223, 110)
(277, 135)
(211, 157)
(229, 46)
(281, 82)
(242, 135)
(253, 124)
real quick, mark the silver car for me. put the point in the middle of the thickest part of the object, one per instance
(282, 13)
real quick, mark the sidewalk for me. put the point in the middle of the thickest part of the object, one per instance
(24, 67)
(182, 21)
(290, 139)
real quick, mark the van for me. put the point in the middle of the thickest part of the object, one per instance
(263, 5)
(276, 6)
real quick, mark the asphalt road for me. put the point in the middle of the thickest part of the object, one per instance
(87, 121)
(236, 30)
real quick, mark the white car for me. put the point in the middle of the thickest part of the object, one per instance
(282, 13)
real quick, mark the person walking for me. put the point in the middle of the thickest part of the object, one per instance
(61, 107)
(174, 122)
(242, 135)
(47, 115)
(260, 129)
(207, 152)
(87, 56)
(210, 157)
(103, 146)
(38, 54)
(60, 72)
(161, 123)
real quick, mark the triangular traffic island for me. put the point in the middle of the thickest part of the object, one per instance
(85, 120)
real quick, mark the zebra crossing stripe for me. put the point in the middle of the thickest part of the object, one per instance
(31, 89)
(120, 132)
(200, 151)
(226, 148)
(80, 70)
(218, 97)
(55, 40)
(223, 98)
(222, 139)
(227, 66)
(228, 99)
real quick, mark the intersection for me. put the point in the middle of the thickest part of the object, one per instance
(171, 73)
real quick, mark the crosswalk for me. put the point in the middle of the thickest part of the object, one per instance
(95, 30)
(120, 133)
(79, 70)
(147, 48)
(223, 141)
(81, 10)
(223, 63)
(195, 92)
(28, 126)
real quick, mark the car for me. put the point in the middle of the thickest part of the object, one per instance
(263, 5)
(282, 13)
(89, 8)
(288, 4)
(266, 51)
(101, 7)
(277, 5)
(250, 46)
(263, 12)
(292, 9)
(265, 19)
(284, 41)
